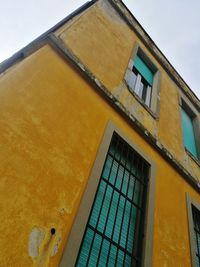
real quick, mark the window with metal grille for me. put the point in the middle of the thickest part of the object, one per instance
(196, 222)
(114, 232)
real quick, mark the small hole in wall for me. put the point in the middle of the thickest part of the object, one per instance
(53, 231)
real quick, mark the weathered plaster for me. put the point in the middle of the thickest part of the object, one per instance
(36, 237)
(58, 44)
(157, 130)
(40, 129)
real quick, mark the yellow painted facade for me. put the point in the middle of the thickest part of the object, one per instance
(105, 48)
(51, 124)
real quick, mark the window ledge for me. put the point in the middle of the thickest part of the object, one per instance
(197, 161)
(154, 115)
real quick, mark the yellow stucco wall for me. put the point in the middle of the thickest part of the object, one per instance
(104, 43)
(51, 124)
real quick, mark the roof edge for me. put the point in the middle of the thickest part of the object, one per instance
(134, 24)
(19, 55)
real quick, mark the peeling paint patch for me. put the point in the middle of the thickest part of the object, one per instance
(36, 237)
(55, 247)
(97, 82)
(65, 210)
(81, 66)
(118, 91)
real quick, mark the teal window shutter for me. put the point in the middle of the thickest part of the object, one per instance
(144, 70)
(110, 237)
(188, 133)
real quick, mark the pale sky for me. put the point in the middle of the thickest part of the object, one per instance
(173, 25)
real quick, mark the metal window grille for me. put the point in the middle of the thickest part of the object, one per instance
(114, 232)
(196, 220)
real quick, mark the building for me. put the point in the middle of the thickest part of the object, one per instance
(100, 149)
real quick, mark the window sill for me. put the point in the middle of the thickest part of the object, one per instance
(154, 115)
(197, 161)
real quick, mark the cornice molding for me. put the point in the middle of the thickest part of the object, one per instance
(66, 53)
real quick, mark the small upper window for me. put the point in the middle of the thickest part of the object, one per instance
(190, 129)
(142, 79)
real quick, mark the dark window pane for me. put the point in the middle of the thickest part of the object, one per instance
(196, 220)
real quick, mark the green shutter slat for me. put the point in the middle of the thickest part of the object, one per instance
(95, 250)
(144, 70)
(85, 248)
(104, 253)
(112, 259)
(188, 133)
